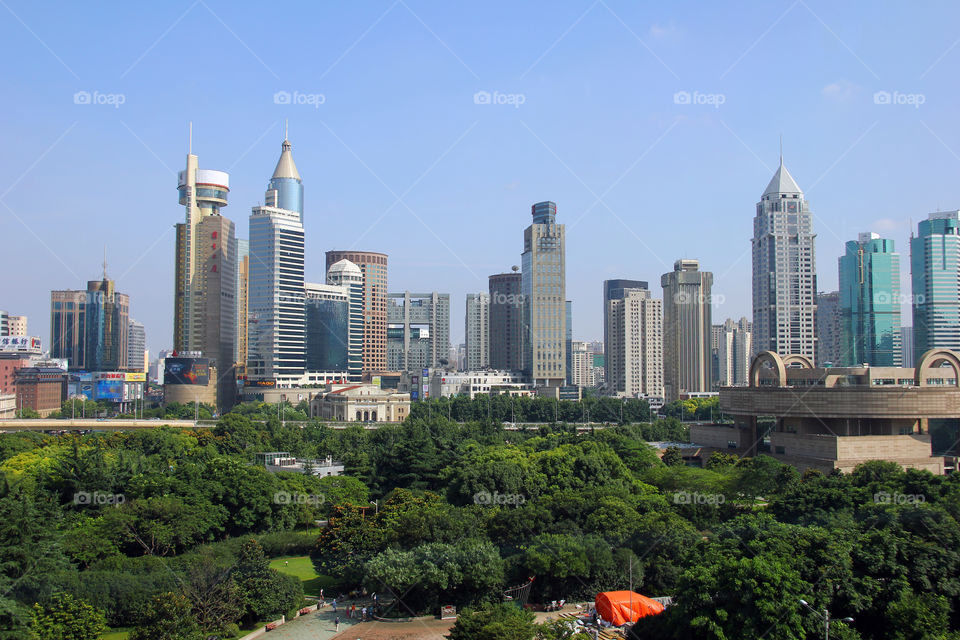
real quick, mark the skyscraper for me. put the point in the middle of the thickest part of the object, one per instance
(829, 352)
(544, 330)
(275, 335)
(870, 303)
(327, 325)
(373, 266)
(687, 314)
(243, 277)
(418, 330)
(136, 347)
(568, 342)
(581, 370)
(90, 328)
(477, 331)
(906, 344)
(935, 272)
(349, 277)
(506, 321)
(784, 270)
(633, 339)
(733, 352)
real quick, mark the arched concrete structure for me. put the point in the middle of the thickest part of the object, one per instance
(805, 361)
(931, 360)
(776, 363)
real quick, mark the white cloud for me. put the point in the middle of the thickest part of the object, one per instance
(661, 31)
(841, 91)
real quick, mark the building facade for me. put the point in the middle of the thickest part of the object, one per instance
(687, 322)
(543, 270)
(935, 272)
(506, 321)
(360, 403)
(477, 331)
(829, 345)
(16, 326)
(784, 270)
(581, 364)
(136, 347)
(90, 328)
(42, 389)
(418, 330)
(275, 334)
(906, 343)
(633, 337)
(870, 303)
(734, 348)
(373, 267)
(349, 277)
(243, 305)
(327, 313)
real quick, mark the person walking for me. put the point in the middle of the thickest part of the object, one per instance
(336, 622)
(334, 605)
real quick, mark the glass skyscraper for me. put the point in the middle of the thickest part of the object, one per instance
(543, 285)
(870, 303)
(935, 271)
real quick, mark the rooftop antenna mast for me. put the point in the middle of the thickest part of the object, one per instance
(286, 128)
(190, 142)
(781, 149)
(104, 262)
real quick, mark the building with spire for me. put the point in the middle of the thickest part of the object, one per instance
(784, 270)
(205, 291)
(276, 294)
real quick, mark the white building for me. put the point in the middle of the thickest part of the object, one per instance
(477, 331)
(470, 383)
(136, 347)
(581, 364)
(734, 347)
(360, 403)
(634, 344)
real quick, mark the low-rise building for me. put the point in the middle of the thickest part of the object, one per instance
(282, 461)
(470, 383)
(839, 417)
(360, 403)
(8, 406)
(42, 389)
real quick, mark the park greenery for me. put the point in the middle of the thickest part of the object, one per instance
(171, 531)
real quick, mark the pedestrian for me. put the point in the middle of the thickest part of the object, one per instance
(321, 594)
(334, 605)
(363, 614)
(286, 563)
(336, 621)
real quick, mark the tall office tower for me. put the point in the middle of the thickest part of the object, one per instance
(327, 318)
(634, 344)
(243, 281)
(935, 272)
(581, 364)
(477, 331)
(784, 270)
(906, 344)
(506, 321)
(136, 347)
(734, 347)
(373, 267)
(349, 277)
(687, 323)
(715, 332)
(418, 330)
(829, 351)
(870, 303)
(90, 328)
(17, 326)
(544, 332)
(568, 342)
(275, 335)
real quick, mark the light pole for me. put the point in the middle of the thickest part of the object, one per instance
(825, 616)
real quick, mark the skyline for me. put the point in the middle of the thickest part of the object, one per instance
(400, 154)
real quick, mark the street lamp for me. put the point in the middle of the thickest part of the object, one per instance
(825, 616)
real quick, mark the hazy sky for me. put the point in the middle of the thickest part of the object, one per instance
(400, 154)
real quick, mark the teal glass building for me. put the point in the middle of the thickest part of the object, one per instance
(870, 303)
(935, 272)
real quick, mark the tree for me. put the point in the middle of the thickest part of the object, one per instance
(66, 618)
(213, 593)
(672, 457)
(167, 617)
(264, 592)
(561, 630)
(496, 622)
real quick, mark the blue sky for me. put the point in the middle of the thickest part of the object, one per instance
(400, 157)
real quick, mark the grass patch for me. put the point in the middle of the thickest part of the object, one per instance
(302, 568)
(116, 634)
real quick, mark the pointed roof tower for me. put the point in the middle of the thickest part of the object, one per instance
(782, 182)
(286, 168)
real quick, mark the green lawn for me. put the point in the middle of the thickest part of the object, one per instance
(116, 634)
(302, 568)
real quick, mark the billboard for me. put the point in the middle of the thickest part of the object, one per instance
(109, 390)
(195, 371)
(135, 376)
(20, 343)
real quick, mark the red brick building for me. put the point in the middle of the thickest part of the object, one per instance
(42, 389)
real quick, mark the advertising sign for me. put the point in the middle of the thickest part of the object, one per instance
(20, 343)
(135, 376)
(194, 371)
(109, 390)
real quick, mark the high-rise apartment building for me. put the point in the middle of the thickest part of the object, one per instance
(243, 287)
(16, 326)
(870, 303)
(275, 333)
(418, 330)
(568, 342)
(633, 338)
(829, 349)
(581, 364)
(477, 331)
(734, 350)
(373, 266)
(687, 323)
(784, 270)
(935, 272)
(136, 347)
(90, 328)
(506, 321)
(543, 270)
(349, 278)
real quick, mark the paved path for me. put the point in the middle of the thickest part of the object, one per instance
(313, 626)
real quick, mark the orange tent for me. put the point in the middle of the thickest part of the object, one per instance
(619, 607)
